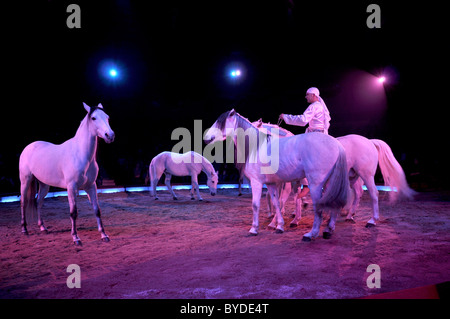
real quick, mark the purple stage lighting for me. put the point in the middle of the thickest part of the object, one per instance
(381, 79)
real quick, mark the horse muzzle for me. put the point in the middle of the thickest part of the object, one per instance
(209, 139)
(109, 137)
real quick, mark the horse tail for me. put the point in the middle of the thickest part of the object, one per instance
(392, 172)
(29, 200)
(337, 189)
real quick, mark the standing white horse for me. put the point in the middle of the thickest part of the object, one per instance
(70, 165)
(187, 164)
(316, 156)
(363, 157)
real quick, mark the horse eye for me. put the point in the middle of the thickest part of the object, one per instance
(93, 118)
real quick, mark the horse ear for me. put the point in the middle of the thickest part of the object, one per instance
(87, 107)
(232, 112)
(100, 106)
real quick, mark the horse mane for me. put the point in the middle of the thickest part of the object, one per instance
(245, 124)
(283, 132)
(208, 167)
(94, 108)
(222, 120)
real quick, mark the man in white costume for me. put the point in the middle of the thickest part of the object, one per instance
(317, 114)
(318, 118)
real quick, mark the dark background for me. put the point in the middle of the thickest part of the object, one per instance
(174, 59)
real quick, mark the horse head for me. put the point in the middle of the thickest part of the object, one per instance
(212, 182)
(223, 127)
(99, 122)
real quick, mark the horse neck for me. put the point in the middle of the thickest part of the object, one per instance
(85, 142)
(207, 168)
(245, 124)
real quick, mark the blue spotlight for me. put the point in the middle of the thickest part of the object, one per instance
(235, 73)
(113, 73)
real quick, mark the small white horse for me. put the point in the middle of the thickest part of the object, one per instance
(316, 156)
(187, 164)
(70, 165)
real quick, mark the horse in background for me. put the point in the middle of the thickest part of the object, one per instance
(187, 164)
(363, 157)
(71, 165)
(318, 157)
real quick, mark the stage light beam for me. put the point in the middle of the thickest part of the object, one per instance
(113, 73)
(381, 79)
(235, 73)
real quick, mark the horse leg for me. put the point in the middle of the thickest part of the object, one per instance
(356, 187)
(373, 192)
(316, 193)
(26, 192)
(155, 175)
(286, 189)
(273, 193)
(331, 224)
(297, 213)
(194, 181)
(72, 193)
(191, 192)
(256, 201)
(92, 195)
(240, 181)
(269, 207)
(167, 179)
(43, 191)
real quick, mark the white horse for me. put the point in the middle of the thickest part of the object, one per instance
(70, 165)
(363, 157)
(187, 164)
(319, 157)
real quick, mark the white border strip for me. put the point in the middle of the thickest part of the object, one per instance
(16, 198)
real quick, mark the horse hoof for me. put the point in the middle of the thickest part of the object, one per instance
(78, 243)
(106, 239)
(326, 235)
(350, 220)
(156, 198)
(200, 200)
(369, 225)
(306, 239)
(175, 198)
(278, 231)
(192, 198)
(239, 194)
(25, 233)
(293, 225)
